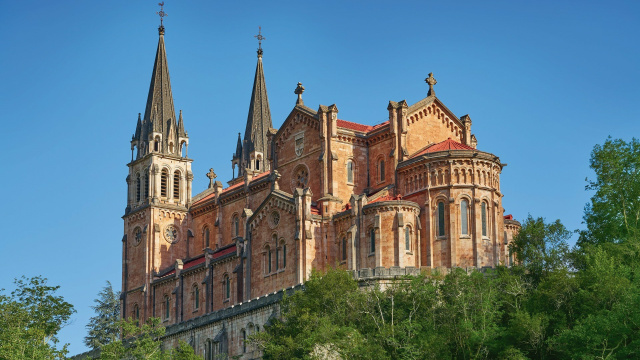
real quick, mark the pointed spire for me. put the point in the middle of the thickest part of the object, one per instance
(159, 114)
(259, 118)
(138, 128)
(239, 147)
(181, 132)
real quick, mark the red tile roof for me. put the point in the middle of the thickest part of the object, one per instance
(315, 210)
(193, 262)
(386, 198)
(189, 264)
(446, 145)
(232, 187)
(260, 176)
(508, 217)
(358, 127)
(204, 198)
(220, 253)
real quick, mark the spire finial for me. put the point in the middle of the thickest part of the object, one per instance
(260, 38)
(299, 90)
(431, 81)
(162, 14)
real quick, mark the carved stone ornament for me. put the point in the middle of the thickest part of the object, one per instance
(171, 234)
(299, 139)
(137, 236)
(300, 178)
(274, 218)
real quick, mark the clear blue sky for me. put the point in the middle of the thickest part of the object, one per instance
(543, 81)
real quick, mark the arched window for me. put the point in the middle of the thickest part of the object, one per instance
(136, 313)
(344, 249)
(226, 287)
(183, 146)
(236, 226)
(196, 297)
(167, 308)
(146, 185)
(156, 145)
(350, 170)
(268, 260)
(506, 241)
(277, 258)
(284, 256)
(484, 218)
(381, 170)
(176, 185)
(407, 238)
(441, 226)
(372, 240)
(207, 233)
(138, 188)
(258, 164)
(164, 178)
(244, 341)
(464, 217)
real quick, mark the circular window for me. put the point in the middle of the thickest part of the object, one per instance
(137, 236)
(274, 218)
(300, 178)
(171, 234)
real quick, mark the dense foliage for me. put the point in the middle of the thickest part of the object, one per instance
(30, 319)
(613, 214)
(142, 342)
(556, 303)
(103, 327)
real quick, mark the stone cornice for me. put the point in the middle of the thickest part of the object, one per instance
(388, 205)
(451, 154)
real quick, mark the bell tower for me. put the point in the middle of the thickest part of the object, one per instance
(159, 193)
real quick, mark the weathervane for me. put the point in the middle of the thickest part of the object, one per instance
(162, 14)
(260, 38)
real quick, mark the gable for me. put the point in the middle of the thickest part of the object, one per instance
(276, 200)
(429, 121)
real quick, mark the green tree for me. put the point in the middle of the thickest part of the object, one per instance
(541, 247)
(613, 214)
(104, 326)
(142, 342)
(30, 319)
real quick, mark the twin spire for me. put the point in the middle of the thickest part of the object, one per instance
(158, 130)
(252, 151)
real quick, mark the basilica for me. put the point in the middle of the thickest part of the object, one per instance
(411, 194)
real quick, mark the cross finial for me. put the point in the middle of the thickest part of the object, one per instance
(162, 14)
(260, 38)
(431, 81)
(299, 90)
(211, 175)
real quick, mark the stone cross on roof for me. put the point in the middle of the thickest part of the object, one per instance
(260, 38)
(211, 175)
(299, 90)
(431, 81)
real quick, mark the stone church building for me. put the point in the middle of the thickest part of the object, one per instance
(414, 192)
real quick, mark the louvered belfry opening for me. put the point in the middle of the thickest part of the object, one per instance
(163, 183)
(176, 185)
